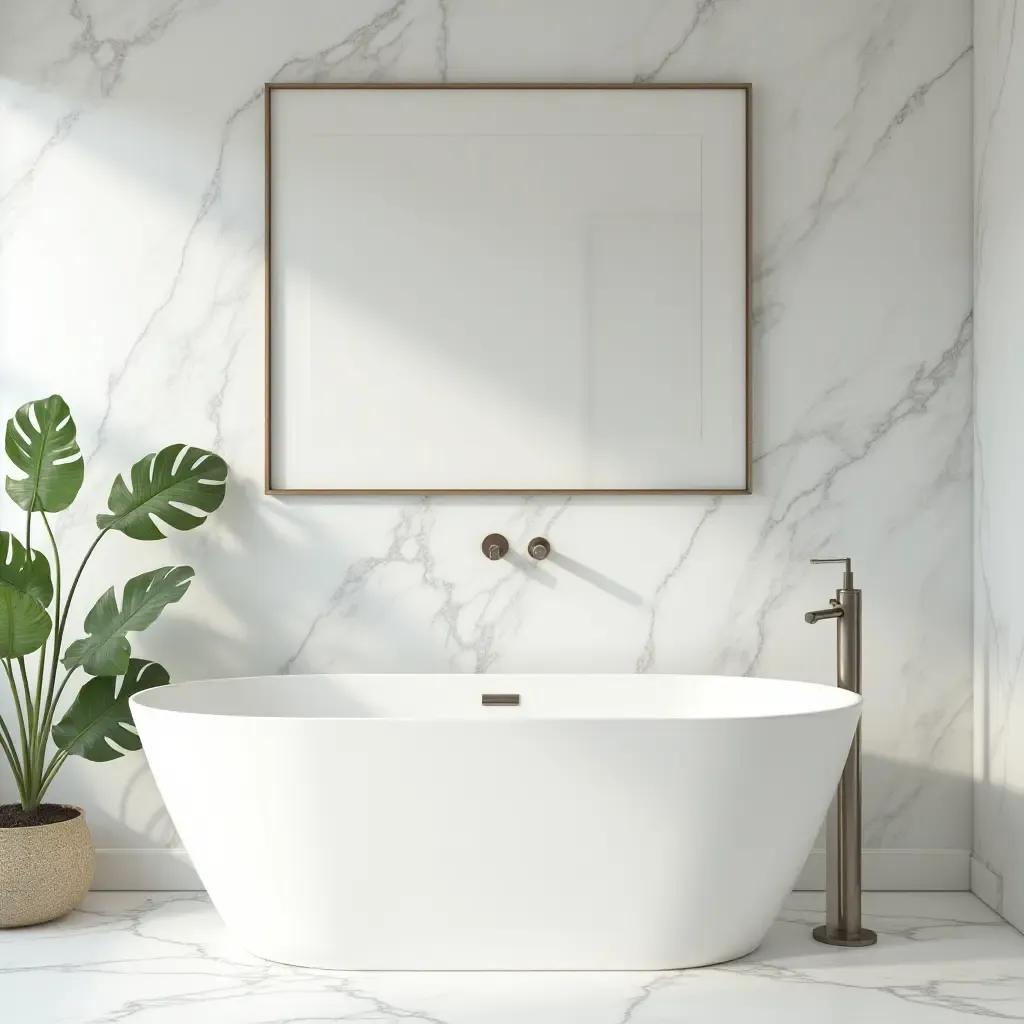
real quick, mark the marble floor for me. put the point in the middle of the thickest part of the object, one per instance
(164, 958)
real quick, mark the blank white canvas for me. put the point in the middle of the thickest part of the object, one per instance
(508, 289)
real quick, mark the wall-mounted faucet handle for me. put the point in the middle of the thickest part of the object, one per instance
(847, 569)
(495, 546)
(539, 548)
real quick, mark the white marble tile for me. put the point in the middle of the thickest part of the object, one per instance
(999, 369)
(131, 229)
(161, 959)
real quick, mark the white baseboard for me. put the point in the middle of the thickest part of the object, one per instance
(986, 885)
(900, 871)
(148, 870)
(884, 870)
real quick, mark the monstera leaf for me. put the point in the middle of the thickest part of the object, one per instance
(178, 485)
(41, 442)
(25, 592)
(106, 650)
(100, 714)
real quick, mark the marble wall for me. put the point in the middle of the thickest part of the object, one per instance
(131, 212)
(998, 869)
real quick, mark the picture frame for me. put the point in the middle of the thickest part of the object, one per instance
(616, 240)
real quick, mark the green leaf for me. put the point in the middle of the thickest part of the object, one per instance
(41, 442)
(178, 485)
(28, 571)
(25, 592)
(106, 650)
(100, 714)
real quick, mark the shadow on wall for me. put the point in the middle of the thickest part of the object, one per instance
(161, 146)
(281, 535)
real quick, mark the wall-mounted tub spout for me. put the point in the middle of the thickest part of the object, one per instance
(843, 835)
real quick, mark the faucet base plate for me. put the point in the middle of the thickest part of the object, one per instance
(863, 937)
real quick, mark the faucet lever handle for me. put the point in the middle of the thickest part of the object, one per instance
(847, 569)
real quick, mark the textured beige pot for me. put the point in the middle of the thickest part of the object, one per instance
(45, 870)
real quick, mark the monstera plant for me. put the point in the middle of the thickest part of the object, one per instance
(176, 488)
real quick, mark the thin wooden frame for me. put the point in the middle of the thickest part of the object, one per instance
(271, 87)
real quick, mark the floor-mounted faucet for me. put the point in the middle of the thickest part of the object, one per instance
(843, 834)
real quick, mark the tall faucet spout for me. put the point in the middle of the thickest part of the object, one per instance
(843, 925)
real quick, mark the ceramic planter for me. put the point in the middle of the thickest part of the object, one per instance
(45, 870)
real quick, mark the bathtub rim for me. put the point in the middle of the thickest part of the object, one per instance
(838, 702)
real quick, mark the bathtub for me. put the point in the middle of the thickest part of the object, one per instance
(397, 822)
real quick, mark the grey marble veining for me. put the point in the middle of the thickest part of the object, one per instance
(156, 958)
(131, 236)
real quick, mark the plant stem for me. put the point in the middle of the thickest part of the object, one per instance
(63, 616)
(64, 682)
(52, 768)
(27, 690)
(57, 618)
(78, 576)
(51, 709)
(38, 736)
(31, 723)
(17, 699)
(60, 623)
(28, 532)
(42, 735)
(12, 759)
(26, 799)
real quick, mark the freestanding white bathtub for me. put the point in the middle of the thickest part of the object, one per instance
(394, 822)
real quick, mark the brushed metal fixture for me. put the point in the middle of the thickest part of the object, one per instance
(499, 700)
(539, 548)
(843, 833)
(495, 546)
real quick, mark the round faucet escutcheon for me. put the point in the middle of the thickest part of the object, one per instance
(539, 548)
(494, 546)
